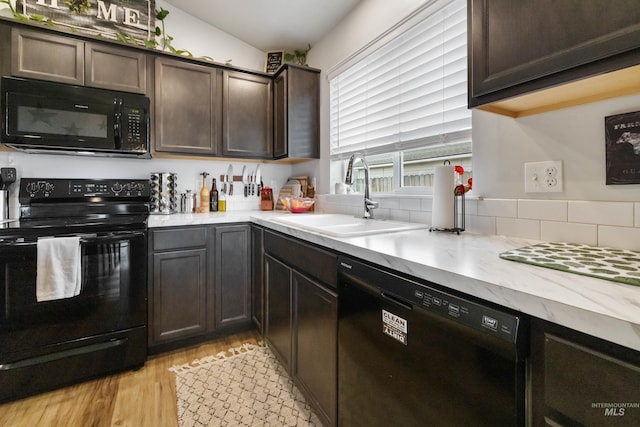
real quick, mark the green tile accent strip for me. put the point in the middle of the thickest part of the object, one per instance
(617, 265)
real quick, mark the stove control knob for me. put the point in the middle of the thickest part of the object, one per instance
(33, 187)
(116, 188)
(47, 187)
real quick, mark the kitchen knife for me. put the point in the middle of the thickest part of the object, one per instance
(245, 181)
(230, 180)
(258, 180)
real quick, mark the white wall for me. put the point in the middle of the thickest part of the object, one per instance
(501, 146)
(202, 39)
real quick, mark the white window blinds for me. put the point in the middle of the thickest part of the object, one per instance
(407, 89)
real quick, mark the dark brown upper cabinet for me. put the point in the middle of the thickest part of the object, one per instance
(296, 115)
(532, 56)
(187, 108)
(115, 68)
(197, 108)
(46, 56)
(247, 115)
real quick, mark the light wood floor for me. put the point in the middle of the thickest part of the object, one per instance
(135, 398)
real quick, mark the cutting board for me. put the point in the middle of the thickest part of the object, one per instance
(617, 265)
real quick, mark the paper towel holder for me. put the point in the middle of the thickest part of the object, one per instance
(458, 216)
(458, 212)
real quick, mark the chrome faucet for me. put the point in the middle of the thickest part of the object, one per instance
(369, 205)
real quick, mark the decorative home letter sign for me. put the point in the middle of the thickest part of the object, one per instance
(116, 19)
(623, 148)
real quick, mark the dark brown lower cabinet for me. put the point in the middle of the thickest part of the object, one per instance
(233, 276)
(315, 343)
(179, 311)
(301, 318)
(199, 282)
(257, 277)
(278, 327)
(579, 380)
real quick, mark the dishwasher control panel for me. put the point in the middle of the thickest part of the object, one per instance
(470, 313)
(483, 317)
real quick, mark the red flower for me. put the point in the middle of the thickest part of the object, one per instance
(459, 169)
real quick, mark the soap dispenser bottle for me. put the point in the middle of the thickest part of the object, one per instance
(204, 194)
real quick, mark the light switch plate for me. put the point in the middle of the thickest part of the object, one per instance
(543, 177)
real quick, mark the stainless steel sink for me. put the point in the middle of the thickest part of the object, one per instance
(338, 225)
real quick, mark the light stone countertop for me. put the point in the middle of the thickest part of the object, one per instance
(469, 263)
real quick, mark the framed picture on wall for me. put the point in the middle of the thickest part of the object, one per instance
(622, 138)
(273, 61)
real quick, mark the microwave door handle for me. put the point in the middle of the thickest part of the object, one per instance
(117, 123)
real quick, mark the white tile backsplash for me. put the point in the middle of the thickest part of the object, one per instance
(498, 207)
(515, 227)
(614, 224)
(400, 215)
(481, 224)
(606, 213)
(619, 237)
(420, 216)
(411, 203)
(586, 234)
(426, 204)
(551, 210)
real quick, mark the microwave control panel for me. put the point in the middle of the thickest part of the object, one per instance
(135, 125)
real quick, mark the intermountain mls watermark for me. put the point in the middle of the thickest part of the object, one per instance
(615, 409)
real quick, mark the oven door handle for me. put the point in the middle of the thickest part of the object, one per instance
(84, 238)
(123, 235)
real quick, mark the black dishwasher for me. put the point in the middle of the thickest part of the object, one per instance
(412, 355)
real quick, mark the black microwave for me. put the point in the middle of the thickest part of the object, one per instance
(46, 117)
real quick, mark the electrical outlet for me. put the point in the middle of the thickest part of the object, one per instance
(7, 176)
(543, 177)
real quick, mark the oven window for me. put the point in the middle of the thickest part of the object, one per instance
(106, 281)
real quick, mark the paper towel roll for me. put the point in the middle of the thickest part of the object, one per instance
(442, 214)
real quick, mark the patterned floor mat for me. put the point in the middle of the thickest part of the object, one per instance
(617, 265)
(249, 388)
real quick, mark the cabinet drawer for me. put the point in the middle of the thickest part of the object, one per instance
(308, 259)
(176, 238)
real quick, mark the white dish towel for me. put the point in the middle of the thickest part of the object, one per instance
(59, 272)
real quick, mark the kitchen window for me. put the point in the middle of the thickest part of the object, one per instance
(402, 102)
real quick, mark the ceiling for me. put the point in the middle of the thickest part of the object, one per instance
(271, 24)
